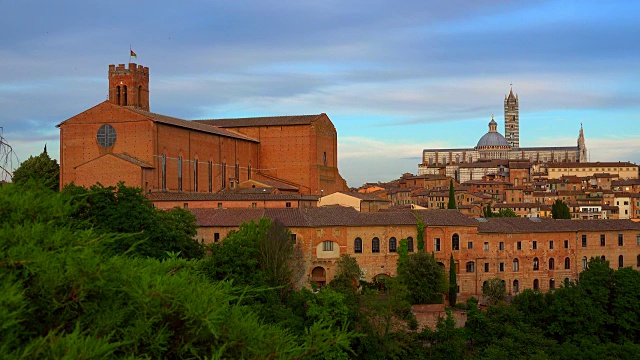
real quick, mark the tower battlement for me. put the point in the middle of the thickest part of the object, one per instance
(129, 86)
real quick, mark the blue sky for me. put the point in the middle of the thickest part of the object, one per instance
(394, 77)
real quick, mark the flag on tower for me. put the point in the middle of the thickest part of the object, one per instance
(133, 54)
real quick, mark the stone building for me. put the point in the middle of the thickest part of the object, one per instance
(494, 146)
(527, 253)
(121, 140)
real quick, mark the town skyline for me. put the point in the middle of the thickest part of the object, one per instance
(394, 80)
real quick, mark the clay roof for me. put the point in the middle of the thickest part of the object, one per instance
(519, 165)
(591, 164)
(168, 120)
(263, 121)
(537, 225)
(625, 182)
(227, 196)
(133, 160)
(276, 184)
(330, 216)
(364, 196)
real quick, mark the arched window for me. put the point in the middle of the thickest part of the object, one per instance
(552, 284)
(124, 93)
(210, 170)
(536, 264)
(455, 242)
(375, 245)
(552, 264)
(638, 261)
(620, 261)
(393, 245)
(195, 174)
(536, 284)
(516, 265)
(410, 244)
(567, 263)
(179, 173)
(603, 258)
(224, 174)
(118, 95)
(357, 245)
(516, 286)
(471, 266)
(164, 172)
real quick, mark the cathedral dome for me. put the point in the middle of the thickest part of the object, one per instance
(492, 139)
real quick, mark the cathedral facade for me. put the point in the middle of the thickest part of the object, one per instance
(495, 146)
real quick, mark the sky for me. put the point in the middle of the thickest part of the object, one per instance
(394, 77)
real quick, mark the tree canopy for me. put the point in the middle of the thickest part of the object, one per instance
(560, 210)
(41, 169)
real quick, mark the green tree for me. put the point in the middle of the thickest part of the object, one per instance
(423, 277)
(453, 282)
(420, 227)
(504, 213)
(452, 196)
(125, 210)
(487, 211)
(560, 210)
(348, 267)
(495, 290)
(61, 296)
(41, 168)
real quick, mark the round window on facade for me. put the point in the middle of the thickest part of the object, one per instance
(106, 136)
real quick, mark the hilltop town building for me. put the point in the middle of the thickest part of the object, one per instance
(526, 253)
(121, 140)
(464, 164)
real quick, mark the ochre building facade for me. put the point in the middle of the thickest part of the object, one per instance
(121, 140)
(525, 253)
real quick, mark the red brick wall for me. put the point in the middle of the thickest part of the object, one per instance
(470, 283)
(296, 154)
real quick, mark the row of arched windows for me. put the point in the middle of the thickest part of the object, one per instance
(375, 245)
(121, 96)
(552, 263)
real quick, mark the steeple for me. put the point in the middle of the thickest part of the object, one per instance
(512, 119)
(582, 147)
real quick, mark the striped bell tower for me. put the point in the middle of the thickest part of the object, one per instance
(512, 120)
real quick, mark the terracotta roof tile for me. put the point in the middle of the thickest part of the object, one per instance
(263, 121)
(164, 119)
(224, 196)
(537, 225)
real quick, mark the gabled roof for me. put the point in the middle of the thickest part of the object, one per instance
(228, 196)
(329, 216)
(263, 121)
(525, 225)
(193, 125)
(123, 156)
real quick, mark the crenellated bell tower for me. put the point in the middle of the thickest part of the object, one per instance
(129, 86)
(512, 120)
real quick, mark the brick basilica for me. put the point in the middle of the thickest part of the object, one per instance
(120, 139)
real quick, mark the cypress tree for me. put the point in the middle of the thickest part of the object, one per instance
(452, 196)
(453, 284)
